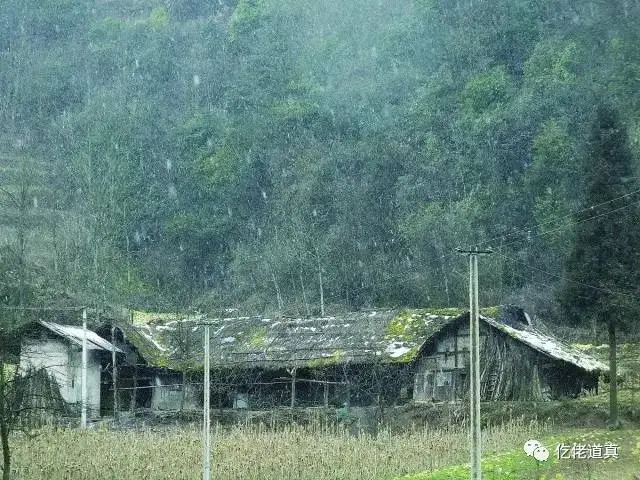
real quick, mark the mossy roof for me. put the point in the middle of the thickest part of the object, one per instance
(175, 341)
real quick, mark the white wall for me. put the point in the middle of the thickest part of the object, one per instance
(64, 362)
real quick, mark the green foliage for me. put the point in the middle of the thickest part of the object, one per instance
(552, 63)
(603, 266)
(226, 150)
(486, 91)
(552, 180)
(292, 109)
(220, 169)
(246, 17)
(634, 138)
(553, 149)
(508, 466)
(159, 18)
(106, 30)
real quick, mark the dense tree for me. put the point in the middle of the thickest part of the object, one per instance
(290, 156)
(603, 269)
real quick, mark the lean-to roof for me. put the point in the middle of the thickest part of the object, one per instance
(549, 346)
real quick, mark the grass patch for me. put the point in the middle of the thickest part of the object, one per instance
(507, 466)
(516, 465)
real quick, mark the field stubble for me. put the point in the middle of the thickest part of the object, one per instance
(252, 452)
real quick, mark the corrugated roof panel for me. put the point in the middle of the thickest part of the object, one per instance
(74, 335)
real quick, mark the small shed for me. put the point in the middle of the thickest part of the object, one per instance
(58, 349)
(517, 362)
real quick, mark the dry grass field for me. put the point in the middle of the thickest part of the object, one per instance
(251, 452)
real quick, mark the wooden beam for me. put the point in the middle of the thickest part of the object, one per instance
(326, 394)
(293, 386)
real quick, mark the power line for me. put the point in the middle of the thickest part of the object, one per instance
(571, 224)
(560, 277)
(554, 230)
(55, 309)
(551, 287)
(526, 230)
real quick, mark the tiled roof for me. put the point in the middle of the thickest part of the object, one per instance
(359, 337)
(386, 336)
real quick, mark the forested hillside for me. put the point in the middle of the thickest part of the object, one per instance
(297, 155)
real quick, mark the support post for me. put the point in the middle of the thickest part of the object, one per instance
(293, 386)
(206, 461)
(474, 351)
(134, 391)
(321, 292)
(83, 412)
(614, 422)
(114, 372)
(326, 394)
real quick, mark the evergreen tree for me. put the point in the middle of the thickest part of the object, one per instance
(603, 268)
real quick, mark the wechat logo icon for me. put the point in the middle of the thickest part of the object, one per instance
(533, 448)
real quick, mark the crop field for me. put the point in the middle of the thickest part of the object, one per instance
(315, 451)
(250, 452)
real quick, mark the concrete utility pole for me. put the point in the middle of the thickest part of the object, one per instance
(474, 350)
(83, 412)
(206, 461)
(206, 430)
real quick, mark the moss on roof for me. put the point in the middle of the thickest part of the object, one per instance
(356, 337)
(141, 317)
(387, 336)
(410, 328)
(258, 338)
(492, 312)
(334, 359)
(146, 348)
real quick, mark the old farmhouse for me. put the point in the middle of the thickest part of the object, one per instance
(382, 357)
(361, 358)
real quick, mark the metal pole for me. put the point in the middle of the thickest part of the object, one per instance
(206, 462)
(83, 412)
